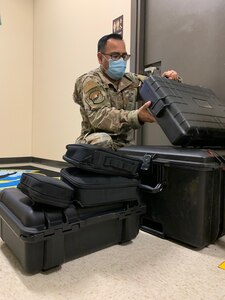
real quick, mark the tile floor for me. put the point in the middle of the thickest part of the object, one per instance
(146, 268)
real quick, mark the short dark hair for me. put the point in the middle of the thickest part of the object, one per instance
(102, 42)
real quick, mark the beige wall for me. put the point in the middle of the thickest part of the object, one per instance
(65, 37)
(38, 116)
(16, 67)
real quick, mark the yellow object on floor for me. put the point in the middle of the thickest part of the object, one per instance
(222, 265)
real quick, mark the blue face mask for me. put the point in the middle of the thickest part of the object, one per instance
(116, 68)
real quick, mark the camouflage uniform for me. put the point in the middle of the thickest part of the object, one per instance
(108, 109)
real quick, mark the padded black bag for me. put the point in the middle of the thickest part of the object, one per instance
(101, 160)
(97, 189)
(46, 190)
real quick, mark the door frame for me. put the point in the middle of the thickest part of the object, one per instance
(137, 46)
(137, 36)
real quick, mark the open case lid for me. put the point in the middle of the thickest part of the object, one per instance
(189, 115)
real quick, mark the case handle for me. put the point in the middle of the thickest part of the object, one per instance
(158, 188)
(158, 109)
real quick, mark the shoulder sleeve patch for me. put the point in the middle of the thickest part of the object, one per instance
(89, 86)
(95, 97)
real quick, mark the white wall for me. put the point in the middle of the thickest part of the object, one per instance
(16, 67)
(66, 33)
(38, 116)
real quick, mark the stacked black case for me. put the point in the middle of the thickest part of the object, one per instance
(46, 237)
(44, 229)
(93, 190)
(101, 160)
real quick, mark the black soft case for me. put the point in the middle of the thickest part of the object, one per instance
(101, 160)
(46, 190)
(97, 189)
(43, 237)
(189, 115)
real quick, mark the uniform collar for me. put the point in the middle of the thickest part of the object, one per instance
(118, 85)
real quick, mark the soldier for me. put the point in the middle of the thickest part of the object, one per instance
(107, 97)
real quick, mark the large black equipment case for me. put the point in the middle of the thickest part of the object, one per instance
(189, 115)
(43, 236)
(184, 193)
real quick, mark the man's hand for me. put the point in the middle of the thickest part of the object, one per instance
(171, 74)
(144, 115)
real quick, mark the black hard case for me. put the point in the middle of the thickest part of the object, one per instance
(189, 115)
(98, 189)
(97, 159)
(43, 238)
(185, 199)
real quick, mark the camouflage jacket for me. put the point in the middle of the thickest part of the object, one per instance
(106, 106)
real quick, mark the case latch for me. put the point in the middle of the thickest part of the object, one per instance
(146, 162)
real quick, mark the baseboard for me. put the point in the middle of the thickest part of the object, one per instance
(15, 160)
(50, 162)
(36, 160)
